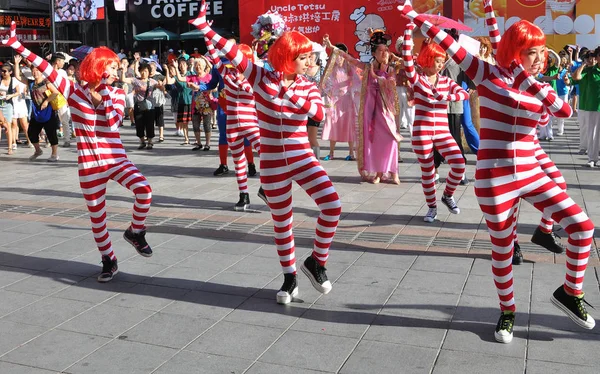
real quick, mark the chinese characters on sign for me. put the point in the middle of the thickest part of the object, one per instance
(24, 21)
(307, 18)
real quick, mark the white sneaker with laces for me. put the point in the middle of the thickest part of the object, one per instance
(590, 164)
(431, 215)
(53, 158)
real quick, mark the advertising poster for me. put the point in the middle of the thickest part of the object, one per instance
(78, 10)
(563, 21)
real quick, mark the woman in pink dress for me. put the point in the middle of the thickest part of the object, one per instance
(377, 133)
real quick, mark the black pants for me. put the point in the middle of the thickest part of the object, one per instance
(159, 116)
(144, 122)
(50, 127)
(454, 126)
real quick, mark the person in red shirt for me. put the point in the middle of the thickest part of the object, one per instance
(196, 54)
(171, 56)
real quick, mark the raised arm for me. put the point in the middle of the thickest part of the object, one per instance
(407, 54)
(114, 103)
(475, 68)
(217, 63)
(64, 86)
(543, 92)
(251, 71)
(492, 25)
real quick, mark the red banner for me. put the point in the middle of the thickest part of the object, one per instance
(345, 21)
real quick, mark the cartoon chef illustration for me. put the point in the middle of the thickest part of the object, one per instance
(364, 22)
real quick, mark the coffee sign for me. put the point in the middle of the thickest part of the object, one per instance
(165, 10)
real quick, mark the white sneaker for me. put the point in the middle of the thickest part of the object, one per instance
(36, 155)
(53, 159)
(436, 179)
(431, 215)
(590, 164)
(14, 146)
(449, 202)
(598, 164)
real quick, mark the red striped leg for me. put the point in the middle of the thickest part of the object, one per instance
(515, 221)
(93, 185)
(314, 180)
(500, 221)
(128, 176)
(279, 195)
(422, 145)
(236, 145)
(253, 136)
(447, 147)
(551, 198)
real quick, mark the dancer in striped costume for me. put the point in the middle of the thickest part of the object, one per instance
(432, 94)
(241, 119)
(512, 104)
(544, 235)
(285, 100)
(97, 112)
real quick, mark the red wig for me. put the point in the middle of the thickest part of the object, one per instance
(94, 65)
(519, 37)
(429, 53)
(246, 51)
(286, 50)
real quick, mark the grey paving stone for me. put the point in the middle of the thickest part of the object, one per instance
(389, 358)
(120, 356)
(6, 367)
(44, 283)
(265, 368)
(15, 334)
(185, 243)
(146, 296)
(235, 283)
(106, 320)
(235, 339)
(136, 272)
(216, 262)
(422, 305)
(386, 259)
(55, 350)
(74, 266)
(477, 337)
(38, 242)
(483, 286)
(407, 330)
(12, 301)
(92, 291)
(241, 249)
(430, 281)
(443, 264)
(165, 256)
(168, 330)
(544, 367)
(10, 275)
(366, 275)
(200, 304)
(471, 362)
(357, 296)
(203, 363)
(310, 351)
(335, 321)
(256, 265)
(49, 312)
(263, 312)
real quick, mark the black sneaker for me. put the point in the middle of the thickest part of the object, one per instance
(138, 241)
(251, 170)
(573, 306)
(517, 258)
(142, 145)
(261, 194)
(550, 241)
(464, 181)
(222, 169)
(504, 328)
(316, 274)
(109, 269)
(449, 202)
(243, 203)
(289, 290)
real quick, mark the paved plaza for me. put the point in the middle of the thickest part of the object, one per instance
(408, 297)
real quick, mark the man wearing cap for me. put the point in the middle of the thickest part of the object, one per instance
(196, 54)
(171, 57)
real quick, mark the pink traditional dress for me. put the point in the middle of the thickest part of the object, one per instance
(376, 132)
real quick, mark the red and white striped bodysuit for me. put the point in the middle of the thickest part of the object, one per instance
(546, 222)
(286, 154)
(512, 105)
(241, 117)
(430, 126)
(100, 153)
